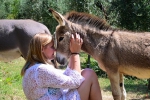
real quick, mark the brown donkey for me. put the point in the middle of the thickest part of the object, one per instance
(15, 36)
(117, 52)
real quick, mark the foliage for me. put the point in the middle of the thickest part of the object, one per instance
(94, 66)
(131, 14)
(9, 9)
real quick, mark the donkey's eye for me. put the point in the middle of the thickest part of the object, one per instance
(61, 38)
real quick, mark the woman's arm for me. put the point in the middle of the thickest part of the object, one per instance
(75, 47)
(74, 62)
(47, 76)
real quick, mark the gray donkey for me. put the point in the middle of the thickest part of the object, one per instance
(117, 52)
(15, 36)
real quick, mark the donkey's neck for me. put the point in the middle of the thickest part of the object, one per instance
(94, 41)
(89, 20)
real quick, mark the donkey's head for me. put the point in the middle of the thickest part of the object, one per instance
(62, 38)
(87, 25)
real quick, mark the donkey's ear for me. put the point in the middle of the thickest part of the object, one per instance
(58, 17)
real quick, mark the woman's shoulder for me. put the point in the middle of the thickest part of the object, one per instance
(49, 69)
(41, 65)
(44, 67)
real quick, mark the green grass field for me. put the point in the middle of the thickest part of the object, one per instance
(11, 81)
(11, 84)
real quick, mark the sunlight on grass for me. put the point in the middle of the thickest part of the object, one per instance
(11, 83)
(136, 88)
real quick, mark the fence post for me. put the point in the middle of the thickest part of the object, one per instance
(88, 62)
(148, 84)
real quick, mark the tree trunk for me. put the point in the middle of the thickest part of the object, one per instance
(148, 84)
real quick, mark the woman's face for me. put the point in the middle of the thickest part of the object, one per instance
(48, 51)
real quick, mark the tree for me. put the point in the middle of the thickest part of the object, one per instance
(131, 14)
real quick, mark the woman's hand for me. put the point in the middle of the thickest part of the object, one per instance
(75, 43)
(75, 47)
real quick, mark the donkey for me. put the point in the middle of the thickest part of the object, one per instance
(15, 36)
(118, 52)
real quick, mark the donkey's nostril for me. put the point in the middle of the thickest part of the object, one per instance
(62, 61)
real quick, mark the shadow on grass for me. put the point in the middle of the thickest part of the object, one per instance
(140, 89)
(137, 89)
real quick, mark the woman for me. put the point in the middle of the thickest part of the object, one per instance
(42, 81)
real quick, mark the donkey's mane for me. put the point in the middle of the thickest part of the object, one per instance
(88, 20)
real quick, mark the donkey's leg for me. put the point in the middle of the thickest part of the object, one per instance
(122, 88)
(24, 46)
(24, 50)
(114, 80)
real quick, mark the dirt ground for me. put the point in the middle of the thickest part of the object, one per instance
(106, 95)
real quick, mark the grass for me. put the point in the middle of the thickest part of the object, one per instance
(136, 89)
(11, 81)
(11, 84)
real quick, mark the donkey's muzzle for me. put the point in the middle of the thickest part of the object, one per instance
(62, 61)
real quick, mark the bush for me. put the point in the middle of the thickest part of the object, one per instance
(93, 65)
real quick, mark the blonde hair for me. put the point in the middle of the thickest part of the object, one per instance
(35, 50)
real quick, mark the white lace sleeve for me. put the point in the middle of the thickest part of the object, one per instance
(48, 76)
(70, 72)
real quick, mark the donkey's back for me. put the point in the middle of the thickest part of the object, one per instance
(130, 53)
(15, 36)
